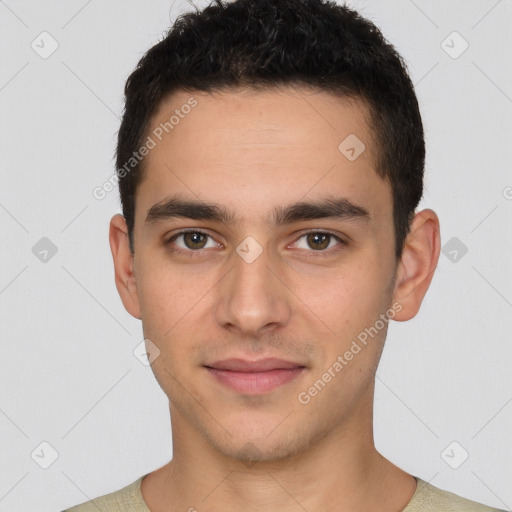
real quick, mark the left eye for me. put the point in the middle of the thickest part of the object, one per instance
(318, 240)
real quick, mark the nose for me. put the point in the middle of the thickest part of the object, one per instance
(253, 297)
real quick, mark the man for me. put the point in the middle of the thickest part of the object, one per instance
(270, 160)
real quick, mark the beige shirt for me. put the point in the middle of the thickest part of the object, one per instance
(427, 498)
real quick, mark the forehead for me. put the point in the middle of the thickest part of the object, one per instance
(256, 148)
(279, 115)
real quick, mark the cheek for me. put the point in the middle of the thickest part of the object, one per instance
(173, 303)
(167, 293)
(348, 298)
(351, 307)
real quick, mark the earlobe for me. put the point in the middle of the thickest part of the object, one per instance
(417, 264)
(124, 265)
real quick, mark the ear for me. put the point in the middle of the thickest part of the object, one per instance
(417, 264)
(123, 265)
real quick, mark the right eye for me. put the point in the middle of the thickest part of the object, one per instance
(192, 241)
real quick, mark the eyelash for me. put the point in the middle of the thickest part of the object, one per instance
(197, 252)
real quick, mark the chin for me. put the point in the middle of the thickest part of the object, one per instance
(258, 451)
(267, 443)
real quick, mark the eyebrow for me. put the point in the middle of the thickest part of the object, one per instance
(339, 208)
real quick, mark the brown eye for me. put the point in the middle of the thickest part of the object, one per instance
(194, 240)
(191, 241)
(318, 241)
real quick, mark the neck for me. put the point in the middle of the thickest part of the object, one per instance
(342, 471)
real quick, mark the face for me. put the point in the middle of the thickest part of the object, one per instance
(305, 285)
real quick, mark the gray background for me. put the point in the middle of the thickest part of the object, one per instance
(68, 375)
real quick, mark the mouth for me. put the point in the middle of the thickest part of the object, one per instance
(254, 377)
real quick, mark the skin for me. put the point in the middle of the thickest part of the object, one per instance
(252, 151)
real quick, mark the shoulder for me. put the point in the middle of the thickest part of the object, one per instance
(429, 498)
(127, 498)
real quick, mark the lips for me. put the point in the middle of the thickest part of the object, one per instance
(262, 365)
(254, 377)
